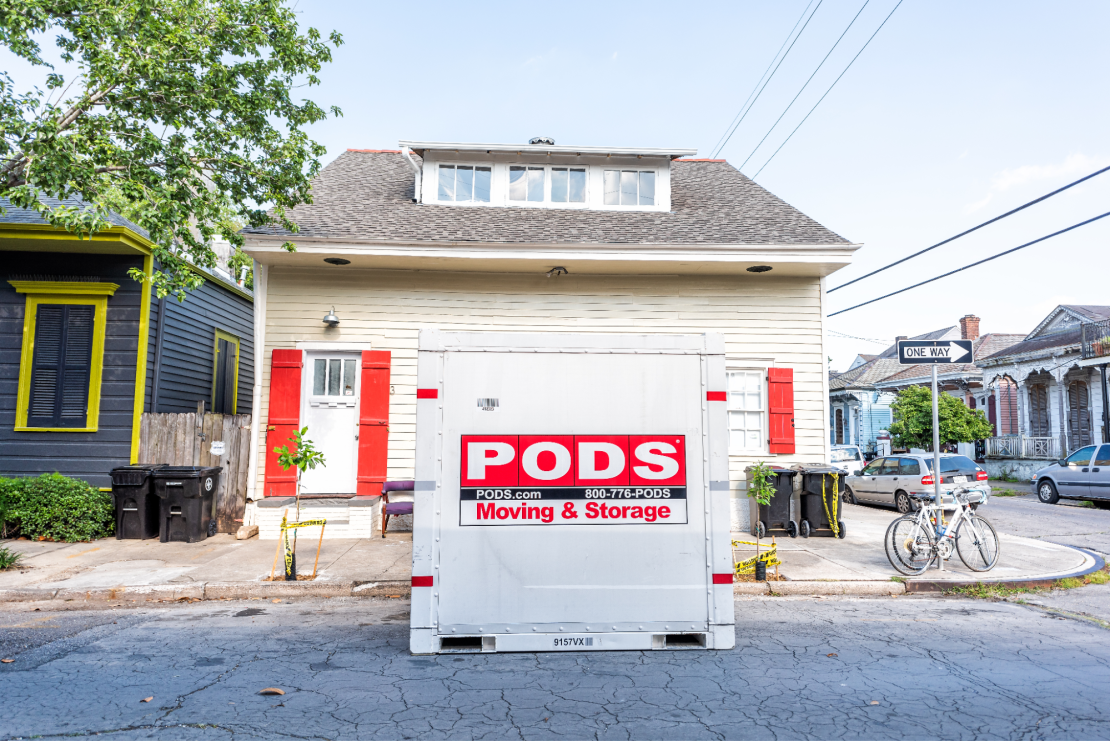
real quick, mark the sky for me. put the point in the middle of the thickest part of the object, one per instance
(956, 112)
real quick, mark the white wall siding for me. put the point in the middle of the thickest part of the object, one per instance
(763, 318)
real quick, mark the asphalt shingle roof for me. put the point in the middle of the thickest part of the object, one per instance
(984, 347)
(1061, 338)
(368, 196)
(13, 215)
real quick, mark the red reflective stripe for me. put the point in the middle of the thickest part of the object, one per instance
(716, 396)
(422, 581)
(722, 578)
(427, 393)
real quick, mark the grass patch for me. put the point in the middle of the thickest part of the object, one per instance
(1009, 493)
(1002, 591)
(899, 579)
(1085, 503)
(9, 559)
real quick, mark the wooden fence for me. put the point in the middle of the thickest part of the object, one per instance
(187, 439)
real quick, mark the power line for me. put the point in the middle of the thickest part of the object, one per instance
(720, 142)
(768, 80)
(814, 108)
(974, 228)
(980, 262)
(853, 337)
(776, 123)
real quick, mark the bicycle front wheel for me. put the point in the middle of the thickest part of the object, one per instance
(977, 544)
(910, 546)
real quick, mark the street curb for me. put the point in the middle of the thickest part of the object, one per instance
(213, 591)
(830, 588)
(922, 586)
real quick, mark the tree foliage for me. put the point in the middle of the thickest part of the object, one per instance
(182, 108)
(913, 419)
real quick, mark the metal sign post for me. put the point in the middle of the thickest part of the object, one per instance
(934, 353)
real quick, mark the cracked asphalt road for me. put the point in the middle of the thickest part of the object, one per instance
(900, 667)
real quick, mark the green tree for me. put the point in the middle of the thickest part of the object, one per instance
(183, 109)
(913, 419)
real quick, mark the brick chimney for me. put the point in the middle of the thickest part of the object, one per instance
(969, 327)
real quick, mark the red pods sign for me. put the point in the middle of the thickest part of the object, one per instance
(573, 479)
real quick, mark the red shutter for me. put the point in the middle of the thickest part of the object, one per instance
(373, 423)
(285, 419)
(780, 402)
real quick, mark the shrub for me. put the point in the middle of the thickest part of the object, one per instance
(9, 559)
(55, 507)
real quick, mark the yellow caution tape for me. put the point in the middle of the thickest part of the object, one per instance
(747, 566)
(836, 501)
(286, 526)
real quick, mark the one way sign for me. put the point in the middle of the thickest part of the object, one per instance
(924, 352)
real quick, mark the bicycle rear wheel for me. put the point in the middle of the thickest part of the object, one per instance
(910, 547)
(977, 544)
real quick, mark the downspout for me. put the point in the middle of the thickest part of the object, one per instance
(407, 154)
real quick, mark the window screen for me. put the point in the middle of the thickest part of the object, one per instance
(745, 410)
(61, 366)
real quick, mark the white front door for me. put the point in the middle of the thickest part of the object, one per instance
(331, 415)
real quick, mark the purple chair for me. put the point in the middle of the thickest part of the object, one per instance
(403, 507)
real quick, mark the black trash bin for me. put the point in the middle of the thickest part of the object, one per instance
(816, 510)
(781, 513)
(185, 496)
(135, 502)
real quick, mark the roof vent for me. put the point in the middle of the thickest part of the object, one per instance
(545, 140)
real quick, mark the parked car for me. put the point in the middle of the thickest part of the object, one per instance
(892, 480)
(1085, 474)
(848, 458)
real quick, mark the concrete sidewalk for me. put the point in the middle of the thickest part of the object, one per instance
(222, 567)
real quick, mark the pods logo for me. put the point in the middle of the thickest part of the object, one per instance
(573, 460)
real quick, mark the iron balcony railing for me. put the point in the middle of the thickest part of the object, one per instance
(1096, 339)
(1020, 446)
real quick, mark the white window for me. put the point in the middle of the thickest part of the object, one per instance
(333, 377)
(745, 411)
(568, 185)
(629, 187)
(461, 183)
(526, 184)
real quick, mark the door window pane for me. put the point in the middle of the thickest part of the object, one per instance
(464, 183)
(446, 182)
(647, 188)
(577, 186)
(628, 187)
(481, 184)
(518, 185)
(319, 376)
(349, 377)
(909, 467)
(612, 187)
(873, 468)
(535, 184)
(890, 467)
(1081, 457)
(333, 377)
(1103, 457)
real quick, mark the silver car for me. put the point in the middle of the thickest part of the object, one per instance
(1085, 474)
(892, 480)
(848, 458)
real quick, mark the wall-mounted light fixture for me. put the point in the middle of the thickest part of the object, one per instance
(331, 319)
(759, 269)
(556, 271)
(336, 261)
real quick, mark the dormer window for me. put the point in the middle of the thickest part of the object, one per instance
(461, 183)
(568, 185)
(630, 187)
(526, 184)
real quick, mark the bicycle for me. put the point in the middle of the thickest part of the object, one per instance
(914, 541)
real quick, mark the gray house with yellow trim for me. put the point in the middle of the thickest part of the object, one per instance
(85, 349)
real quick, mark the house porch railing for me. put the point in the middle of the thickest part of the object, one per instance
(1096, 339)
(1020, 446)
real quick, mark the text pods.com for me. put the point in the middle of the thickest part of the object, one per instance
(573, 480)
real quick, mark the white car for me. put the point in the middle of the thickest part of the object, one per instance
(848, 458)
(895, 479)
